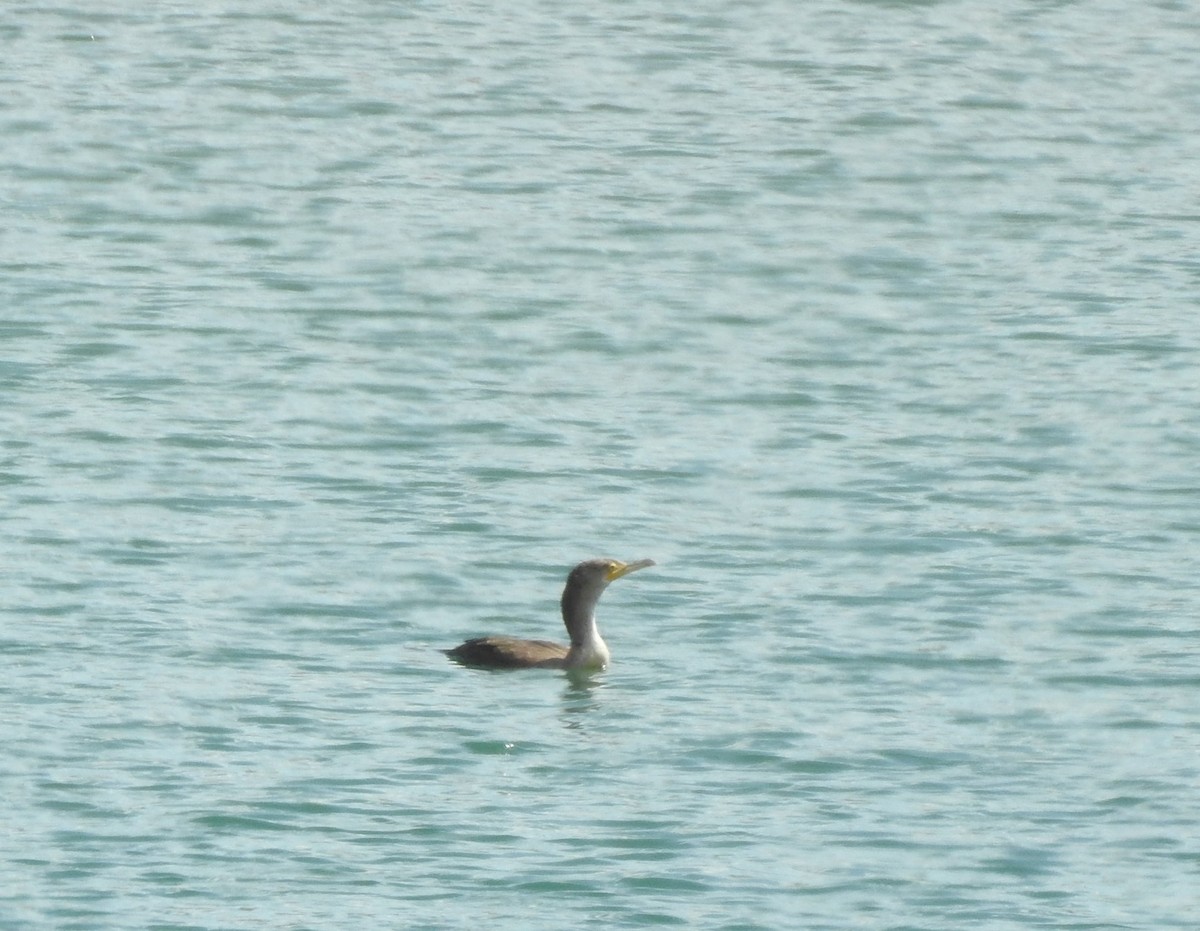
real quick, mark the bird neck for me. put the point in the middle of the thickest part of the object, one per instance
(588, 649)
(588, 652)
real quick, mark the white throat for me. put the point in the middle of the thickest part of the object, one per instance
(588, 651)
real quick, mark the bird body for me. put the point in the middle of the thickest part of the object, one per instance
(499, 652)
(585, 585)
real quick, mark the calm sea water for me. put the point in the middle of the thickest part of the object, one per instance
(333, 333)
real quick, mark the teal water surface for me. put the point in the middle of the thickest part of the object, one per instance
(334, 334)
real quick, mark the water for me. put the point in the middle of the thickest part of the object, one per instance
(333, 334)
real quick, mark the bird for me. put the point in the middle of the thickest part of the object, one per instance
(587, 651)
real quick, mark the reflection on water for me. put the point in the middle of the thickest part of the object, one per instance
(579, 695)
